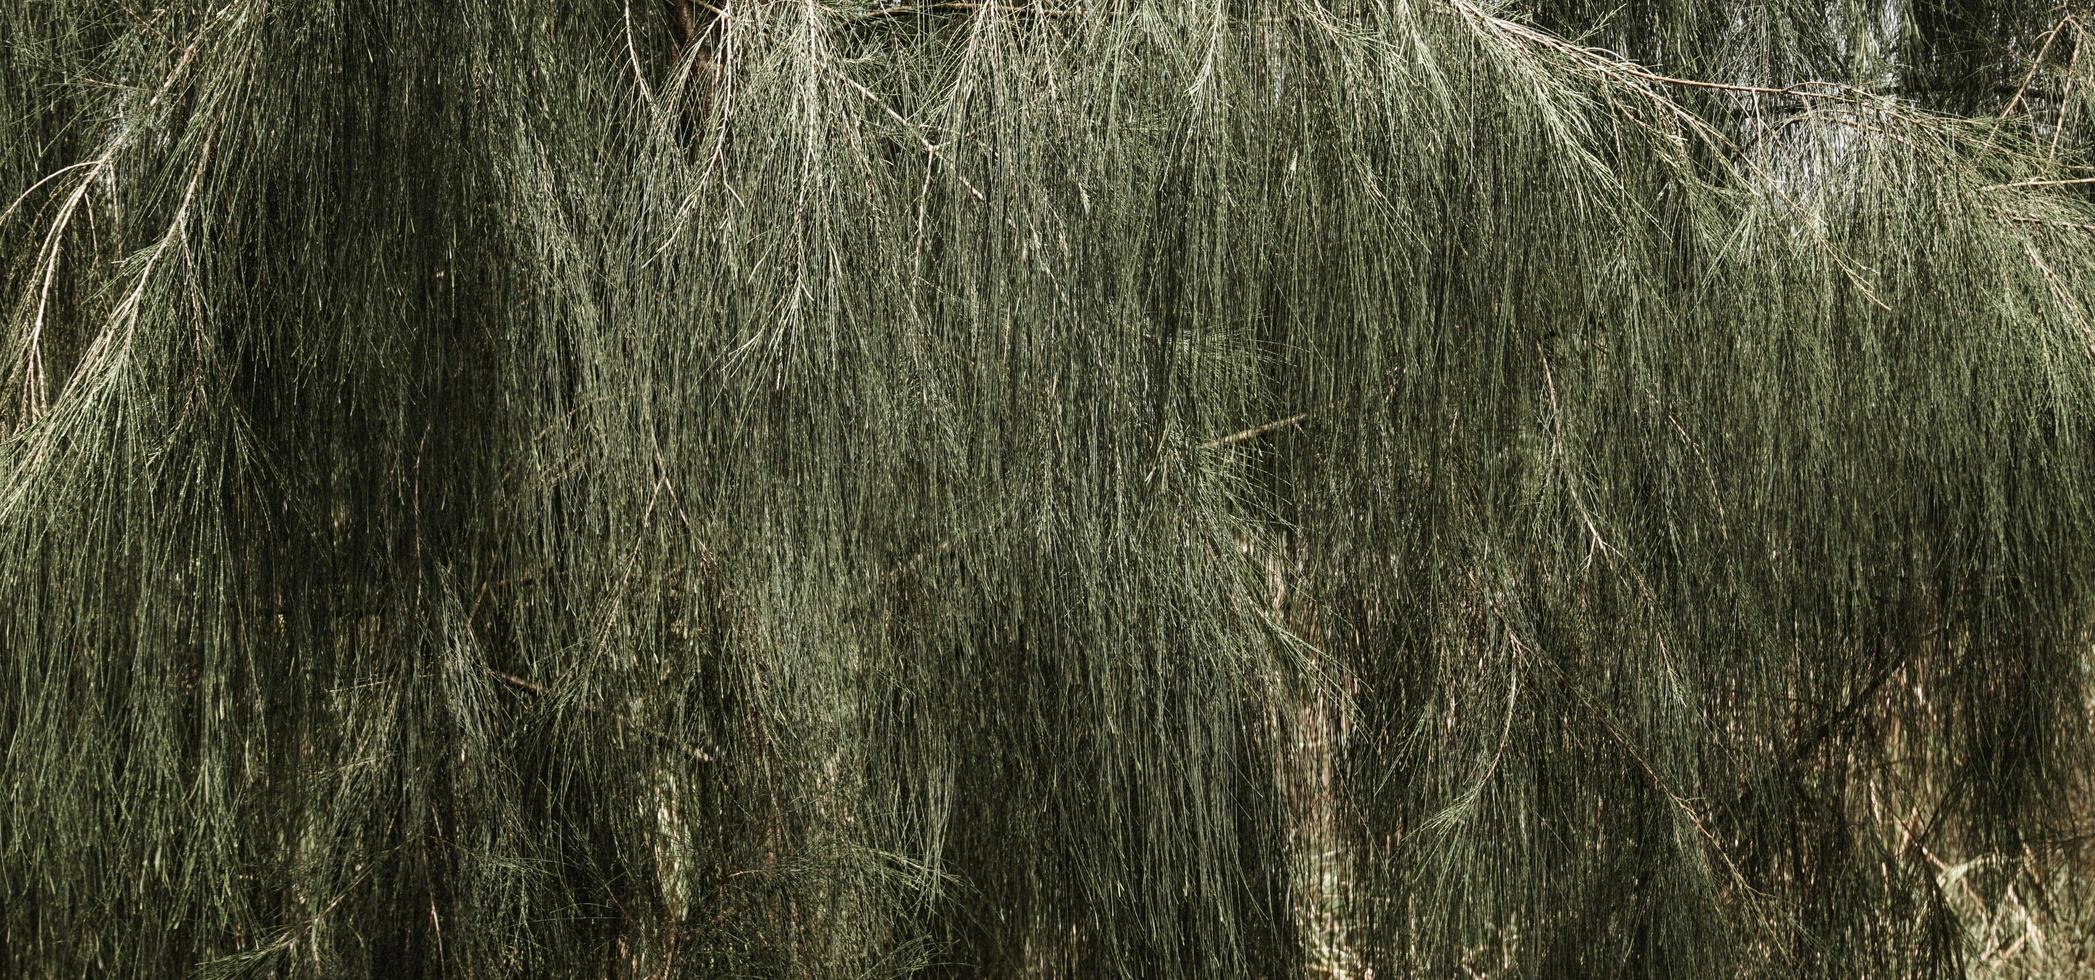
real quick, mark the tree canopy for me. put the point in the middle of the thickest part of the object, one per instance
(1048, 488)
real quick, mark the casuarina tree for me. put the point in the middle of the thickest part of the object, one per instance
(1106, 488)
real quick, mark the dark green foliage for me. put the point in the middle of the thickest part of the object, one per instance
(817, 489)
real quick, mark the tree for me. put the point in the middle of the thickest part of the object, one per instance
(1126, 489)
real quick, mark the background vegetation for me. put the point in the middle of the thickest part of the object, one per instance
(1130, 488)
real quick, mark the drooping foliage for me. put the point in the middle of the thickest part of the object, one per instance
(808, 488)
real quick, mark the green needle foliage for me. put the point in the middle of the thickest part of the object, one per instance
(1261, 488)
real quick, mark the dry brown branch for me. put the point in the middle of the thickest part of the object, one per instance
(1255, 431)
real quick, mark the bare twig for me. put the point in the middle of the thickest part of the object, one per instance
(2029, 220)
(2035, 64)
(2066, 182)
(1255, 431)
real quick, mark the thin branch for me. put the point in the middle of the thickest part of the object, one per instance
(2067, 182)
(2035, 64)
(2028, 220)
(633, 57)
(1255, 431)
(921, 558)
(1002, 8)
(694, 754)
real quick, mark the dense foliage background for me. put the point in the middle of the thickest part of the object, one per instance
(1104, 488)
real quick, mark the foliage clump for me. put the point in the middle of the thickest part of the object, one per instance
(833, 489)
